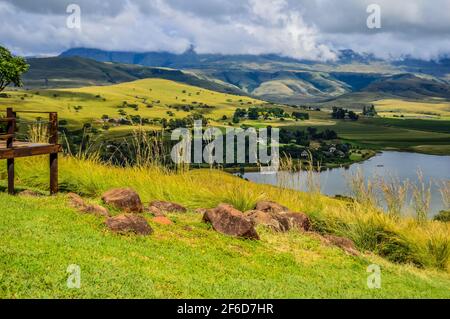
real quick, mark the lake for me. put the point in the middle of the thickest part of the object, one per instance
(401, 165)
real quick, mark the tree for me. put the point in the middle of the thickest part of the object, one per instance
(11, 69)
(300, 115)
(253, 114)
(353, 116)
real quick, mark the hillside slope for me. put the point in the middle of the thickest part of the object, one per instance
(42, 236)
(286, 80)
(148, 98)
(59, 72)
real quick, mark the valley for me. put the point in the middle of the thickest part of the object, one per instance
(179, 151)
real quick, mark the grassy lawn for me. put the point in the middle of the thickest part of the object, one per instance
(42, 237)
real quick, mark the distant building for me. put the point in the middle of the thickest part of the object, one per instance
(340, 154)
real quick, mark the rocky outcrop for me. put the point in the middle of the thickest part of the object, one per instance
(227, 220)
(279, 217)
(162, 220)
(201, 210)
(345, 244)
(276, 222)
(271, 207)
(129, 223)
(124, 199)
(77, 202)
(168, 207)
(96, 210)
(299, 221)
(154, 211)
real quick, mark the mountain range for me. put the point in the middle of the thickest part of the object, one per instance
(270, 77)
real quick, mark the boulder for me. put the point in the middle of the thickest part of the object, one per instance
(168, 207)
(162, 220)
(124, 199)
(271, 207)
(345, 244)
(129, 223)
(201, 210)
(273, 221)
(77, 202)
(299, 221)
(155, 211)
(227, 220)
(29, 193)
(96, 210)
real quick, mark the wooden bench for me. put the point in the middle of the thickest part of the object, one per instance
(11, 149)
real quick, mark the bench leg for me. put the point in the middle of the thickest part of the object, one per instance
(10, 169)
(53, 173)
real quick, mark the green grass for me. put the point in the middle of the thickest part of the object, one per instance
(97, 101)
(419, 135)
(434, 109)
(42, 236)
(426, 136)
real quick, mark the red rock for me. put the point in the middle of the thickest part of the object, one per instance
(168, 207)
(124, 199)
(162, 220)
(96, 210)
(129, 223)
(227, 220)
(273, 221)
(271, 207)
(75, 200)
(345, 244)
(155, 211)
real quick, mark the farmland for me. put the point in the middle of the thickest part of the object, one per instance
(157, 99)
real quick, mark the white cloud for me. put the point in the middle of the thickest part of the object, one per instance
(308, 29)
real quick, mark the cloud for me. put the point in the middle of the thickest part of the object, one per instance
(308, 29)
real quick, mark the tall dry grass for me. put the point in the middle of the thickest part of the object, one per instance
(38, 132)
(402, 240)
(394, 194)
(444, 189)
(421, 197)
(362, 190)
(398, 238)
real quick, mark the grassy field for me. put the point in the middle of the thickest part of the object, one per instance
(152, 97)
(430, 109)
(426, 136)
(40, 237)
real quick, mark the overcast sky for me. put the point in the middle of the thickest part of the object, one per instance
(310, 29)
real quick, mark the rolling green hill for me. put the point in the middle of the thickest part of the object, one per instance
(59, 72)
(148, 98)
(41, 236)
(269, 77)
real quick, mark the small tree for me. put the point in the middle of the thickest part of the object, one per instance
(11, 69)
